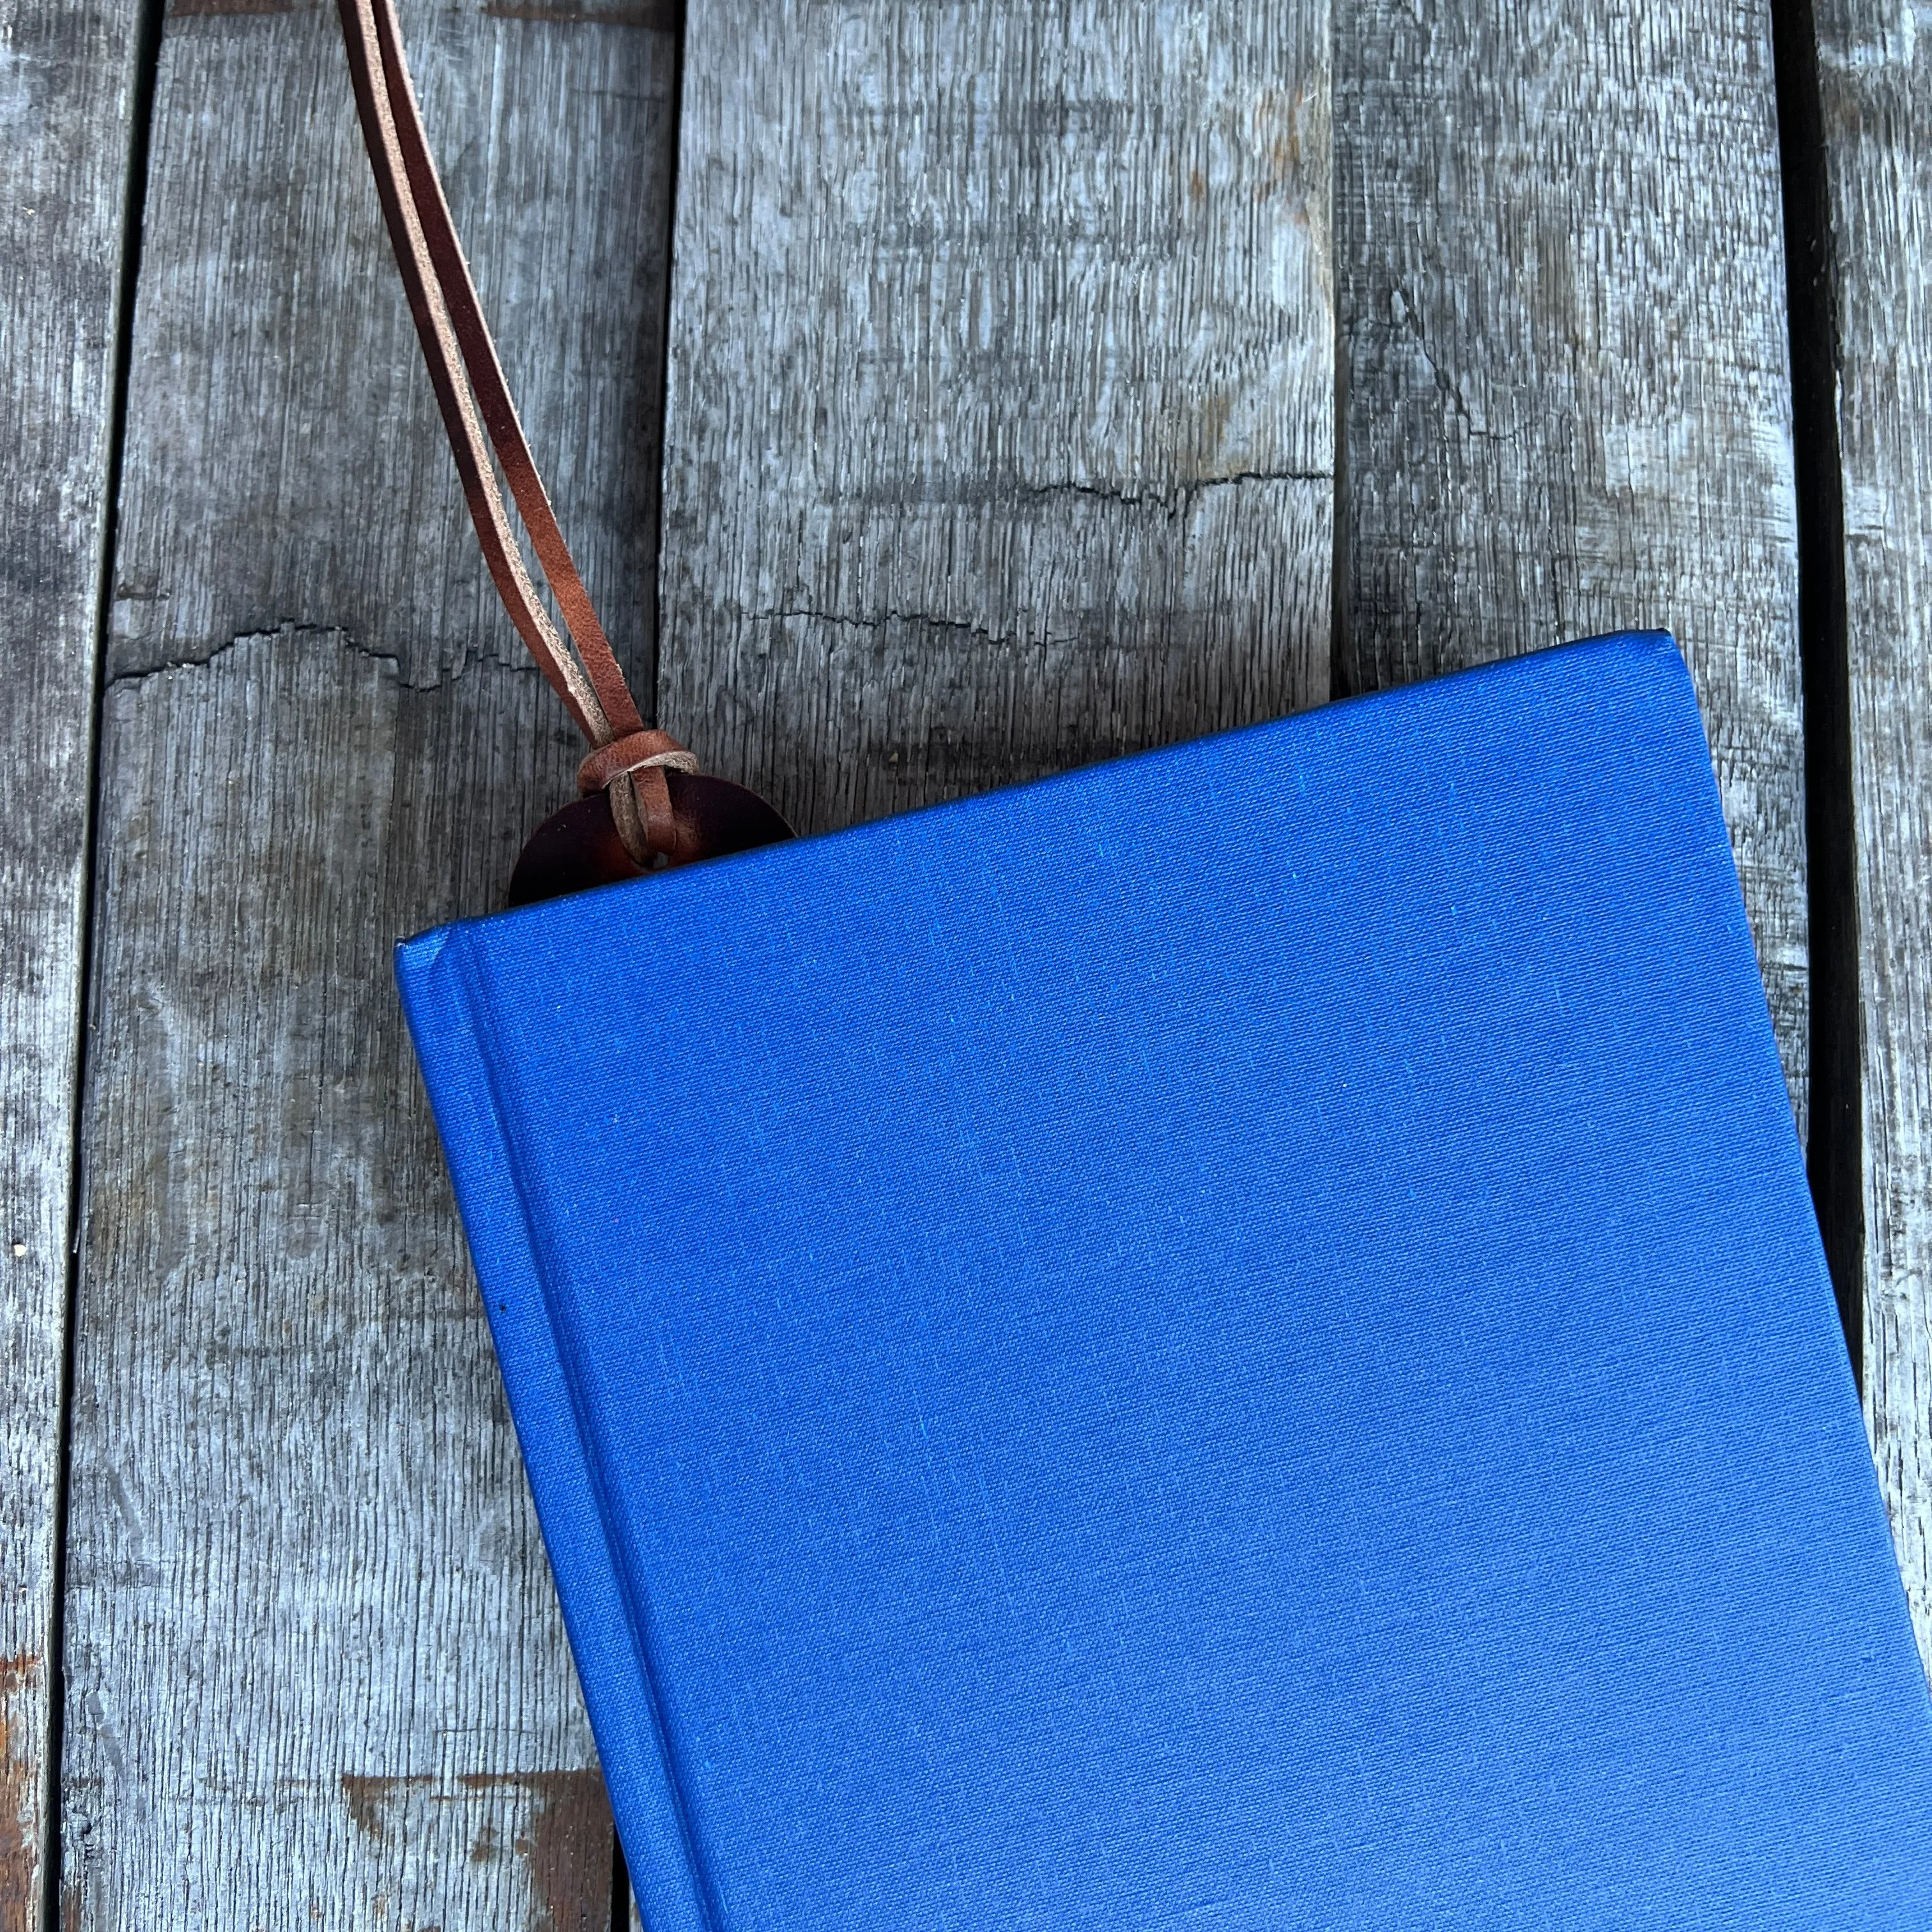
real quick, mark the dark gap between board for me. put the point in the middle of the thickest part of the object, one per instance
(620, 1884)
(620, 1877)
(145, 71)
(1342, 562)
(648, 681)
(1836, 1152)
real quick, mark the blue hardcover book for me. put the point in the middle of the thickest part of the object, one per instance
(1233, 1341)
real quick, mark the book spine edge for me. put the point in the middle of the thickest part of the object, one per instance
(452, 1047)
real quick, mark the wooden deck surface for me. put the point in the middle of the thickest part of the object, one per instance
(938, 392)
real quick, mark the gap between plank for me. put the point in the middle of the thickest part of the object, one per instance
(1835, 1152)
(141, 111)
(648, 680)
(620, 1876)
(1342, 562)
(620, 1884)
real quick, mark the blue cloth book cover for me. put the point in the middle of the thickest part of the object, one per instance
(1232, 1341)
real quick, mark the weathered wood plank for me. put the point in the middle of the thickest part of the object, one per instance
(67, 83)
(1562, 298)
(1000, 416)
(1876, 81)
(318, 1677)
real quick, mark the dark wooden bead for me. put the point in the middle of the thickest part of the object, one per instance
(578, 847)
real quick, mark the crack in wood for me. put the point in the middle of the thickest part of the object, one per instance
(661, 16)
(324, 634)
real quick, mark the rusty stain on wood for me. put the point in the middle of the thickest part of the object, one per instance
(20, 1704)
(561, 1830)
(367, 1797)
(568, 1842)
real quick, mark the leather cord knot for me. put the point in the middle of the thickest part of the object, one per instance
(630, 768)
(635, 751)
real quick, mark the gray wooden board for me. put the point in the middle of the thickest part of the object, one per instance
(316, 1673)
(66, 75)
(1000, 426)
(1561, 294)
(1876, 76)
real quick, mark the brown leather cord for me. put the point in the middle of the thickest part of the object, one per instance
(627, 759)
(640, 751)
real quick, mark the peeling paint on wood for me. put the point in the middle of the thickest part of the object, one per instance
(1876, 74)
(1001, 420)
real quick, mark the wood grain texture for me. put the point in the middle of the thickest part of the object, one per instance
(290, 460)
(1562, 300)
(1876, 79)
(317, 1673)
(66, 116)
(1001, 413)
